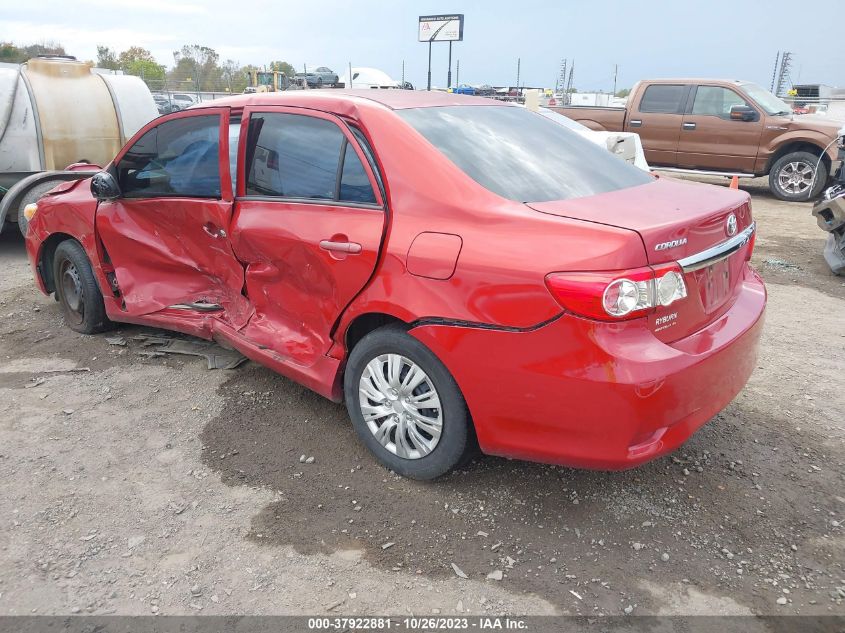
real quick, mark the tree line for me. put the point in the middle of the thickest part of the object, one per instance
(195, 67)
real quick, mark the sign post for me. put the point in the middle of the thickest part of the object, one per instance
(441, 28)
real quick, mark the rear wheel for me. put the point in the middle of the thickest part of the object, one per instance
(77, 290)
(405, 405)
(797, 176)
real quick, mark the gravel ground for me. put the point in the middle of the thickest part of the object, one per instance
(133, 484)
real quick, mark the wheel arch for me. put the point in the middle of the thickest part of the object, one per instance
(799, 145)
(365, 323)
(46, 256)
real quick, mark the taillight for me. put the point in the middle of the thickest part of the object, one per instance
(619, 294)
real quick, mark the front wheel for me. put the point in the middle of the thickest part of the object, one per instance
(77, 290)
(405, 405)
(797, 177)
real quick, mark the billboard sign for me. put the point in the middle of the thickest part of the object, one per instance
(442, 28)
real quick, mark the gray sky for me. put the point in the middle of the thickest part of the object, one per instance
(726, 39)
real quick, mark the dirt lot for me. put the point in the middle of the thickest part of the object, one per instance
(134, 484)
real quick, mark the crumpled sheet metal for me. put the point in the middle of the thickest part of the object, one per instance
(216, 356)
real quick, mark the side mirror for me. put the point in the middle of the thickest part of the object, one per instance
(104, 186)
(743, 113)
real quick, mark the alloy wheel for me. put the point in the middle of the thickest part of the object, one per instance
(796, 177)
(400, 406)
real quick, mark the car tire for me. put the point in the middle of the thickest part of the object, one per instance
(319, 82)
(33, 195)
(388, 434)
(791, 177)
(77, 290)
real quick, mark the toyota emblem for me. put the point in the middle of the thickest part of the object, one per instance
(730, 225)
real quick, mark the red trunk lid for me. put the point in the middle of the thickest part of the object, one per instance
(675, 219)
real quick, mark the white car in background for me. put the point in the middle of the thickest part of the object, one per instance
(626, 145)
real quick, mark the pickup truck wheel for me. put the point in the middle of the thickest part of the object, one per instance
(77, 290)
(405, 405)
(33, 195)
(792, 176)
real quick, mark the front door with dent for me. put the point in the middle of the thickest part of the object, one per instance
(167, 235)
(309, 221)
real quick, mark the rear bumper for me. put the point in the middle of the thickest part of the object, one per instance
(598, 395)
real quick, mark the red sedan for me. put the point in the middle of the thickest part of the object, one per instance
(451, 267)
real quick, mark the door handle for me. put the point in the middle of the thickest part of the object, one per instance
(635, 123)
(213, 231)
(353, 248)
(689, 126)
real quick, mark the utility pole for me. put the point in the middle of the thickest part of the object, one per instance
(429, 65)
(458, 72)
(449, 74)
(518, 64)
(569, 83)
(615, 74)
(403, 73)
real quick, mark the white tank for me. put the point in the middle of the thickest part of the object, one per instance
(58, 111)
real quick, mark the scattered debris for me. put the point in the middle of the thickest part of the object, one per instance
(458, 571)
(495, 575)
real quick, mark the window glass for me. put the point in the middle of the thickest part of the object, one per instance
(522, 155)
(716, 101)
(293, 156)
(354, 184)
(664, 98)
(176, 158)
(766, 100)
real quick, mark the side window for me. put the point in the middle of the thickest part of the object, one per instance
(176, 158)
(298, 156)
(354, 184)
(664, 98)
(716, 101)
(293, 156)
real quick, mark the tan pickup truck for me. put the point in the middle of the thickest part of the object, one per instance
(714, 126)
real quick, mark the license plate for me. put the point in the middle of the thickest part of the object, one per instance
(715, 284)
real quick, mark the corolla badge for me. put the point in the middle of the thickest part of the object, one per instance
(664, 245)
(730, 225)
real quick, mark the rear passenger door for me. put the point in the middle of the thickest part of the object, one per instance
(657, 118)
(308, 225)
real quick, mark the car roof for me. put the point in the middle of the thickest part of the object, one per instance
(393, 99)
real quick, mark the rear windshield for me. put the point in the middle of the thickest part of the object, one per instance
(522, 155)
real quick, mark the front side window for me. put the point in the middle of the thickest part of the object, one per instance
(663, 98)
(298, 156)
(716, 101)
(521, 155)
(177, 158)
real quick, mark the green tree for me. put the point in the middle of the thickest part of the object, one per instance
(12, 54)
(107, 58)
(138, 61)
(623, 93)
(197, 64)
(283, 67)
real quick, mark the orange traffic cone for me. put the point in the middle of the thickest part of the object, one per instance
(735, 182)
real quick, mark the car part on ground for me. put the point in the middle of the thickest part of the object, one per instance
(558, 305)
(55, 111)
(830, 215)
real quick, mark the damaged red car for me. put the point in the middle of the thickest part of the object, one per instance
(457, 270)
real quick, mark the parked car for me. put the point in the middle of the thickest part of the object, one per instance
(183, 100)
(165, 105)
(723, 127)
(320, 77)
(463, 89)
(419, 256)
